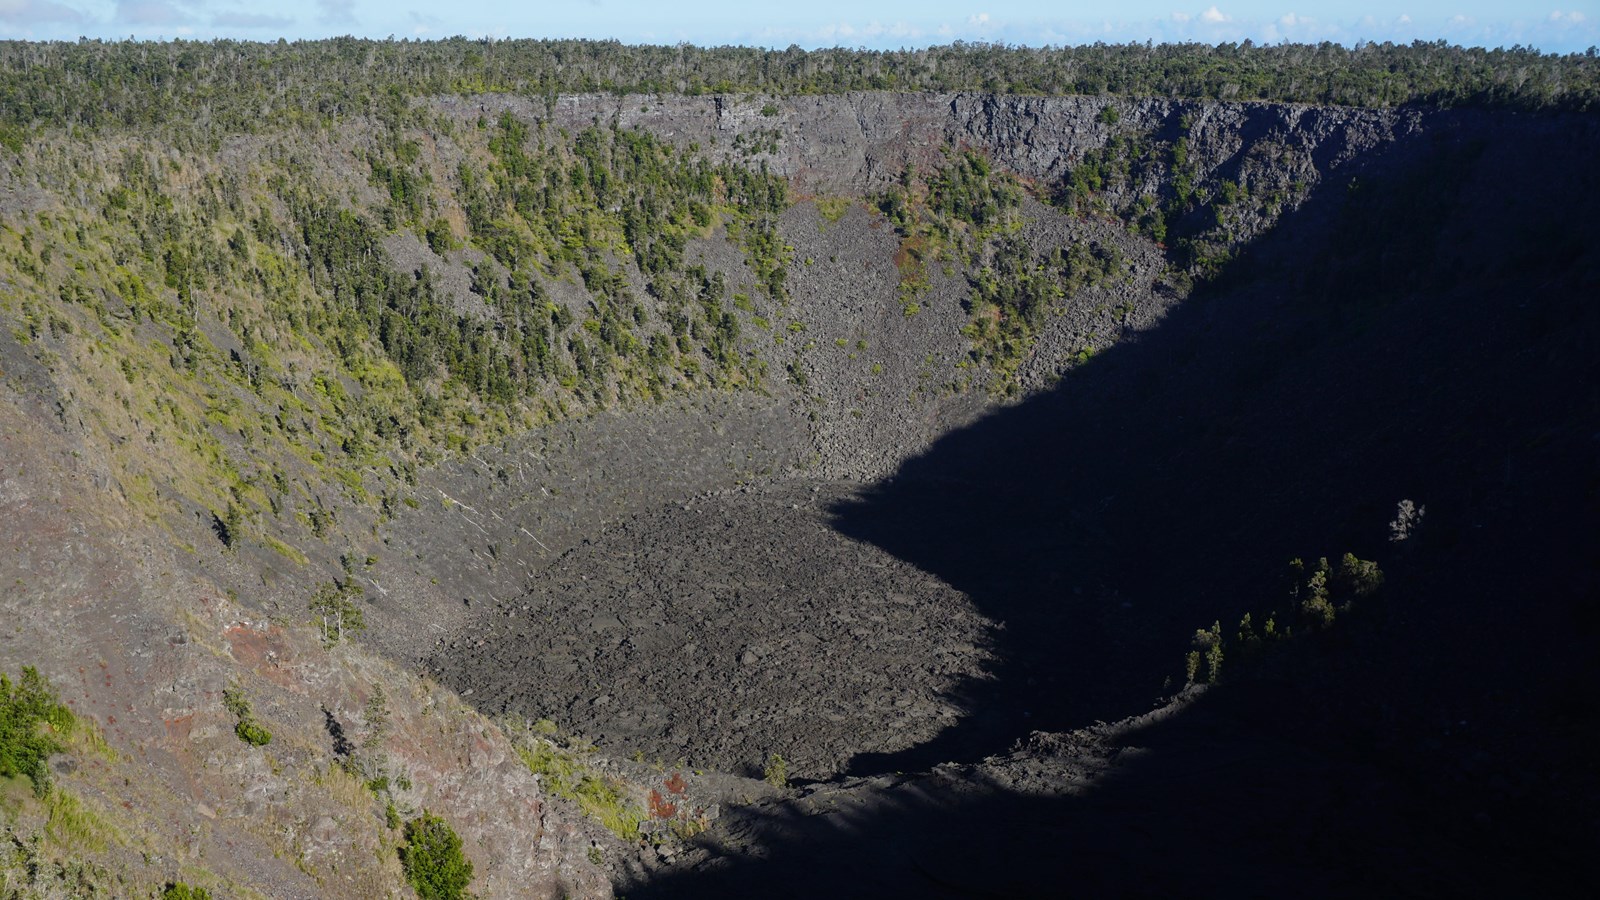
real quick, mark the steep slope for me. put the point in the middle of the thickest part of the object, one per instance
(141, 643)
(878, 385)
(1425, 335)
(870, 430)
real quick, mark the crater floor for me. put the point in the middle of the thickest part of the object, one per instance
(725, 628)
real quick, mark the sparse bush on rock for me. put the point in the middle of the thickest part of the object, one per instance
(432, 858)
(247, 728)
(776, 772)
(31, 718)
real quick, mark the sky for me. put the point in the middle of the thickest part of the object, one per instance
(1557, 26)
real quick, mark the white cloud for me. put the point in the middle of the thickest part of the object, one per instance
(422, 23)
(1213, 15)
(148, 12)
(1289, 21)
(29, 12)
(250, 20)
(1567, 18)
(1404, 19)
(1181, 17)
(979, 20)
(337, 12)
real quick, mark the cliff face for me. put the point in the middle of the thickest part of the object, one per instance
(666, 549)
(859, 143)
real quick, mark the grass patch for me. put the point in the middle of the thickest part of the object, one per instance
(600, 797)
(287, 552)
(832, 209)
(72, 823)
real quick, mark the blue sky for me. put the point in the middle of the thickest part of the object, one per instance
(1555, 26)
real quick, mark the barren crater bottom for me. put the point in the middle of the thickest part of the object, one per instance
(726, 628)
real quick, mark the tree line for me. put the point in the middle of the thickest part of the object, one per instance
(242, 86)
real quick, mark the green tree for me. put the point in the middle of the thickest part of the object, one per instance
(432, 859)
(30, 718)
(336, 611)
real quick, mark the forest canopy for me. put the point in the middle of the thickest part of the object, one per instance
(241, 86)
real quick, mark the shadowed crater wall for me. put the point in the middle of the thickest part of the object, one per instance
(1405, 338)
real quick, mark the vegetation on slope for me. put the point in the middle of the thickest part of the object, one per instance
(32, 720)
(246, 338)
(564, 772)
(1317, 595)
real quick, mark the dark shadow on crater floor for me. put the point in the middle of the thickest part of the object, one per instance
(1433, 335)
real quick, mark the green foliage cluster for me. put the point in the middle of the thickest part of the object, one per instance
(32, 722)
(776, 771)
(1017, 290)
(1154, 186)
(1318, 594)
(1126, 157)
(548, 204)
(1207, 643)
(247, 728)
(969, 189)
(961, 202)
(953, 210)
(336, 613)
(968, 207)
(431, 856)
(179, 890)
(242, 86)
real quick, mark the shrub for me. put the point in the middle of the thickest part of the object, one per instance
(1407, 517)
(251, 732)
(24, 745)
(248, 729)
(178, 890)
(432, 859)
(1358, 577)
(776, 772)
